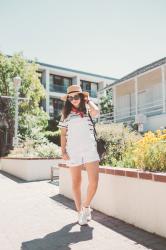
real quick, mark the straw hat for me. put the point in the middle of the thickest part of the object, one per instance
(72, 89)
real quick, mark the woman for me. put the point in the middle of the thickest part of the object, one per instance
(79, 146)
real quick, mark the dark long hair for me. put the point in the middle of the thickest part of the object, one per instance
(68, 106)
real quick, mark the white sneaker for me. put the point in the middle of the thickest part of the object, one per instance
(88, 211)
(82, 217)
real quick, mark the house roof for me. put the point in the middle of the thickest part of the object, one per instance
(71, 70)
(139, 71)
(76, 71)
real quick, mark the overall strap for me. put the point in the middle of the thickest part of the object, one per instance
(95, 132)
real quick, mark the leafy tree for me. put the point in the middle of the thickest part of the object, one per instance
(106, 103)
(30, 88)
(30, 122)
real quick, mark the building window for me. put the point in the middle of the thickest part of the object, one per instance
(59, 83)
(56, 106)
(90, 87)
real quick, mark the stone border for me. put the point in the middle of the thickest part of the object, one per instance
(128, 172)
(29, 158)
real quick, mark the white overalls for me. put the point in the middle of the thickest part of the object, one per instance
(81, 143)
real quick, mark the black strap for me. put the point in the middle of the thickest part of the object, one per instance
(95, 132)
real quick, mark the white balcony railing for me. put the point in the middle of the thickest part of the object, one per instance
(128, 113)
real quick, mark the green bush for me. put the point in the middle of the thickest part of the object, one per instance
(49, 150)
(155, 157)
(118, 138)
(149, 153)
(30, 124)
(30, 148)
(36, 144)
(53, 136)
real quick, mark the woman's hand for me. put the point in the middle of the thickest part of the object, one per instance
(65, 156)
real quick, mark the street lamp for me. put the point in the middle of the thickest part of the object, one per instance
(16, 83)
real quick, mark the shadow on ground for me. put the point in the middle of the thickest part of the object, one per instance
(61, 240)
(149, 240)
(12, 177)
(20, 181)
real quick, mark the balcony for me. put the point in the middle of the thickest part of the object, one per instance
(58, 88)
(63, 89)
(127, 114)
(92, 93)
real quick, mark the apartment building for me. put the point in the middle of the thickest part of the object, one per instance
(56, 80)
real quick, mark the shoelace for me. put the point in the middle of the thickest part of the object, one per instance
(88, 209)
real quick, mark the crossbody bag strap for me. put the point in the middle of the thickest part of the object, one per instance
(95, 132)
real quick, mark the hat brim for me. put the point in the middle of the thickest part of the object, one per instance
(85, 93)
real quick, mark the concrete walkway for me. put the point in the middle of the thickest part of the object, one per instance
(33, 216)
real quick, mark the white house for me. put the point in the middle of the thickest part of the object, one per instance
(140, 97)
(56, 79)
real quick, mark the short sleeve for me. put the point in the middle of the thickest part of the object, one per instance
(62, 123)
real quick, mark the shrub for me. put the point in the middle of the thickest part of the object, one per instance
(30, 124)
(30, 148)
(127, 148)
(150, 151)
(118, 138)
(49, 150)
(53, 136)
(155, 157)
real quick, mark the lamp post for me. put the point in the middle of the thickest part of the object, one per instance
(16, 83)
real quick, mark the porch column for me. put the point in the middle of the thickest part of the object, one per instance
(76, 80)
(163, 88)
(98, 101)
(136, 95)
(114, 102)
(47, 91)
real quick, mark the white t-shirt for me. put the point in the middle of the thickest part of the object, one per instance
(80, 132)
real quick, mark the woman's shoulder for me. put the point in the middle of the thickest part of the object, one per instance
(66, 119)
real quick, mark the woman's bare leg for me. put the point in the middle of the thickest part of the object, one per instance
(93, 177)
(76, 185)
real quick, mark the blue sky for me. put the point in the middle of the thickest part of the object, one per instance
(108, 37)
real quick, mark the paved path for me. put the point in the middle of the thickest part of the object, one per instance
(34, 216)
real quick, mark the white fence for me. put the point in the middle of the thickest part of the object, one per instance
(127, 114)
